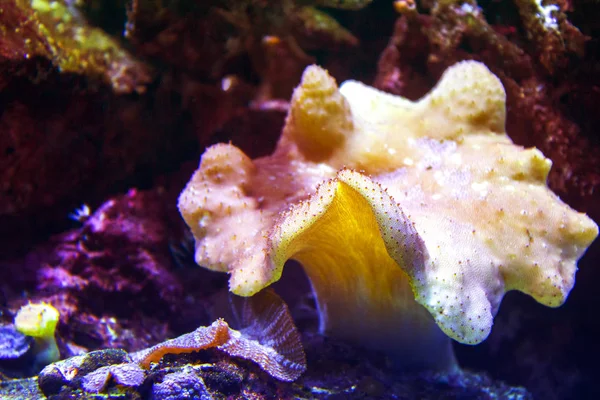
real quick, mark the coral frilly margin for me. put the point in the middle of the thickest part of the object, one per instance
(407, 216)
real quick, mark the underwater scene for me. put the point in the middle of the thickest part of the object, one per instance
(299, 199)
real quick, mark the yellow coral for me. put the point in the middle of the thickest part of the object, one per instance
(39, 321)
(444, 204)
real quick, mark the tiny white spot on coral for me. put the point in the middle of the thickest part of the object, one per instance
(480, 187)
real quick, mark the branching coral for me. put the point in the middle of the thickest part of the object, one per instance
(407, 216)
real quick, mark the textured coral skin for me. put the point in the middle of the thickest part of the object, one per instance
(37, 320)
(443, 203)
(268, 337)
(202, 338)
(550, 88)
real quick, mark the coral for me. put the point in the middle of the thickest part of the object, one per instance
(554, 37)
(277, 39)
(202, 338)
(112, 278)
(85, 111)
(39, 320)
(76, 143)
(13, 344)
(19, 389)
(343, 4)
(549, 107)
(79, 118)
(127, 374)
(268, 337)
(73, 371)
(209, 374)
(277, 35)
(440, 202)
(548, 75)
(290, 20)
(57, 31)
(181, 384)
